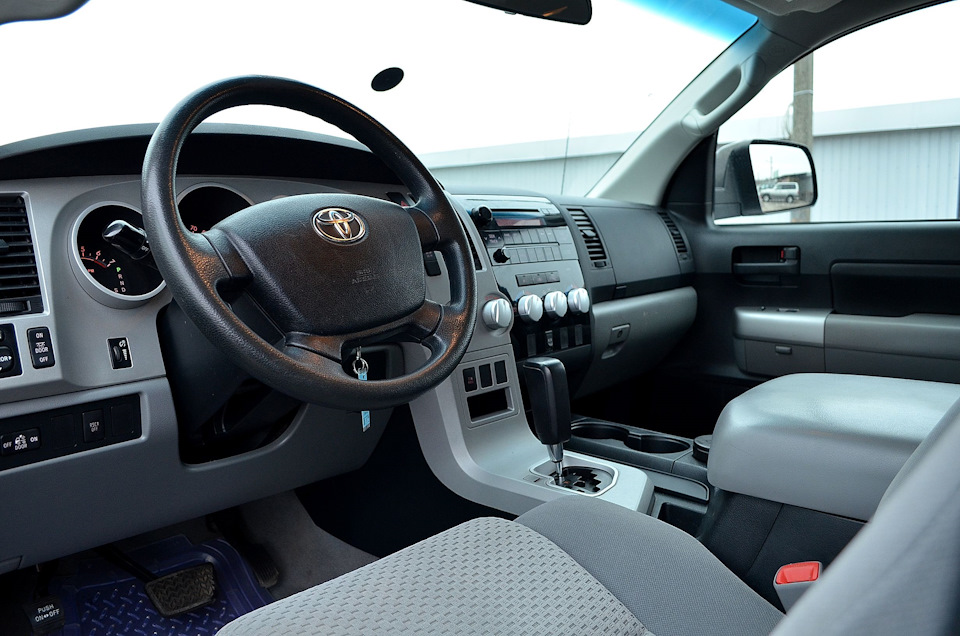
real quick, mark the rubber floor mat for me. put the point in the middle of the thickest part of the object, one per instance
(104, 600)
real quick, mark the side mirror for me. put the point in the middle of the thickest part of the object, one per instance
(760, 177)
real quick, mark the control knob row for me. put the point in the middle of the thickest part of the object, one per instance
(555, 305)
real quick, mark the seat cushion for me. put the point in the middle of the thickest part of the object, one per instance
(486, 576)
(663, 575)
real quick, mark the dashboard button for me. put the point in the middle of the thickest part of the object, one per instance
(470, 379)
(41, 347)
(93, 428)
(120, 353)
(500, 371)
(122, 423)
(7, 361)
(486, 377)
(20, 441)
(61, 431)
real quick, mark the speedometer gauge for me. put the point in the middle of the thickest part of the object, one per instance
(106, 272)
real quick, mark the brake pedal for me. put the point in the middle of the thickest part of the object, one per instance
(184, 590)
(172, 594)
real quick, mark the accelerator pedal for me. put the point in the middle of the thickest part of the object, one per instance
(231, 525)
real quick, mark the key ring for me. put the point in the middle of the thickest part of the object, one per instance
(360, 365)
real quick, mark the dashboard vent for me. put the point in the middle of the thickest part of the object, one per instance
(675, 234)
(589, 233)
(19, 279)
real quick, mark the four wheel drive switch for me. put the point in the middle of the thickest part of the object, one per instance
(120, 356)
(93, 426)
(41, 347)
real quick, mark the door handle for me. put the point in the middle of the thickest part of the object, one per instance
(778, 269)
(766, 265)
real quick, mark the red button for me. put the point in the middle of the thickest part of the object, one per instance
(798, 573)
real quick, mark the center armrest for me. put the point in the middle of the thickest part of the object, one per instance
(826, 442)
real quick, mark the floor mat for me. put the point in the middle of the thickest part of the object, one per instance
(103, 600)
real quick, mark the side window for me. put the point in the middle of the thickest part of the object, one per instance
(880, 111)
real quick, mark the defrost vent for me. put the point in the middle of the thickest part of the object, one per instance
(679, 244)
(19, 278)
(589, 233)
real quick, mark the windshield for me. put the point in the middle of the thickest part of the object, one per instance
(482, 90)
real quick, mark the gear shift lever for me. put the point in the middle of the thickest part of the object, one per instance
(550, 400)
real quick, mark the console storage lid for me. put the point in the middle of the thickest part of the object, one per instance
(827, 442)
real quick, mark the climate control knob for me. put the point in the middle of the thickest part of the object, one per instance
(555, 304)
(530, 308)
(497, 315)
(578, 300)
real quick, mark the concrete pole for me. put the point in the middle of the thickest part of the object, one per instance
(802, 130)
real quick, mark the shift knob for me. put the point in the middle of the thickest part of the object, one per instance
(546, 380)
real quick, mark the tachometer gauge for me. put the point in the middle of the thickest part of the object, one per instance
(107, 273)
(204, 205)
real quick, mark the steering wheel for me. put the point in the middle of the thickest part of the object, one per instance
(332, 271)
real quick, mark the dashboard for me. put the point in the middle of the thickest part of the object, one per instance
(100, 373)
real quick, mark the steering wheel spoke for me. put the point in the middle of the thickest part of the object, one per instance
(233, 272)
(329, 347)
(423, 323)
(426, 229)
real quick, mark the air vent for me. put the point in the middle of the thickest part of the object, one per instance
(675, 234)
(19, 280)
(589, 233)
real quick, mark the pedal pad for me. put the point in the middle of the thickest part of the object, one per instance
(262, 565)
(184, 590)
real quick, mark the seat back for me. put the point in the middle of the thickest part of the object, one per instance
(901, 574)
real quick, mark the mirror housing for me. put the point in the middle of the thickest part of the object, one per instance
(569, 11)
(25, 10)
(762, 177)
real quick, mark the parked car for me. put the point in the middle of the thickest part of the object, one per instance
(787, 191)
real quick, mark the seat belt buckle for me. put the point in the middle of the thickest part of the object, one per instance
(793, 579)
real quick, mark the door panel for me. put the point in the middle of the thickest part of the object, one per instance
(892, 291)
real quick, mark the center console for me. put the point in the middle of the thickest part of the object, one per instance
(475, 428)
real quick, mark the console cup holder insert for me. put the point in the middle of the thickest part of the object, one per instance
(657, 444)
(596, 430)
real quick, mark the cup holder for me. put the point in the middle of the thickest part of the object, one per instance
(656, 444)
(595, 430)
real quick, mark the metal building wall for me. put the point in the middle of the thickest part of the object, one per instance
(883, 176)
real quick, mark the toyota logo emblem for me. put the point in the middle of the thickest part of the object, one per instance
(339, 225)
